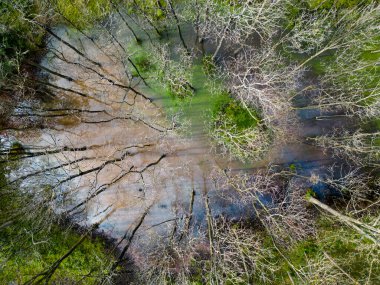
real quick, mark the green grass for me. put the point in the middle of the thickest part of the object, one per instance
(34, 239)
(343, 245)
(319, 259)
(20, 262)
(372, 125)
(364, 80)
(142, 62)
(347, 248)
(225, 107)
(316, 260)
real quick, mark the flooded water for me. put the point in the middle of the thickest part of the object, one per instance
(108, 148)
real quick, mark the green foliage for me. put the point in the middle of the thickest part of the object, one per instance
(356, 71)
(226, 108)
(236, 129)
(347, 66)
(32, 240)
(293, 167)
(343, 245)
(180, 87)
(83, 13)
(312, 24)
(38, 250)
(227, 5)
(154, 9)
(320, 260)
(350, 250)
(175, 73)
(372, 125)
(17, 35)
(327, 4)
(334, 255)
(209, 66)
(194, 88)
(30, 246)
(310, 193)
(141, 59)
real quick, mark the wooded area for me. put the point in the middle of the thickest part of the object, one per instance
(189, 142)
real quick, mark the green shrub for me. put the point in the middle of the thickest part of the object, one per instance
(230, 109)
(236, 129)
(17, 36)
(32, 240)
(83, 13)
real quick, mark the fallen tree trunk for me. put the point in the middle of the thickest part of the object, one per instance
(364, 229)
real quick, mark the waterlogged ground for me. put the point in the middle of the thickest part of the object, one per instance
(107, 148)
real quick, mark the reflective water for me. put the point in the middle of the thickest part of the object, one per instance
(108, 148)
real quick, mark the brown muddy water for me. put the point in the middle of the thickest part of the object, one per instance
(107, 148)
